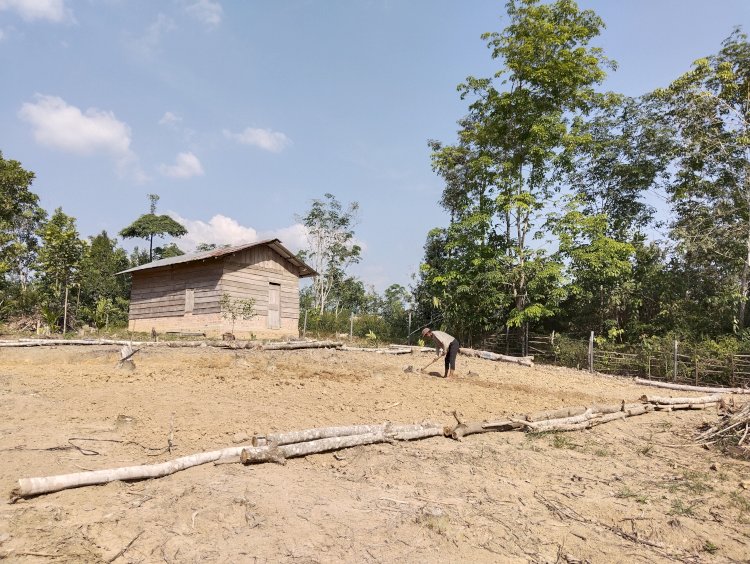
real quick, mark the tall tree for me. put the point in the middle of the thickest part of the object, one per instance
(20, 218)
(709, 108)
(507, 166)
(331, 247)
(59, 260)
(102, 259)
(151, 225)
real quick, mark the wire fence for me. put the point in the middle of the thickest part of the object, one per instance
(680, 363)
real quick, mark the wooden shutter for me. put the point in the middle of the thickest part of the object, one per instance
(274, 306)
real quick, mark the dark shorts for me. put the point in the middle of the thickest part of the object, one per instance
(450, 355)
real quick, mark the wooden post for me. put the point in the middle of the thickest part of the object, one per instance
(65, 311)
(591, 352)
(408, 333)
(674, 366)
(351, 327)
(696, 370)
(731, 361)
(648, 369)
(304, 325)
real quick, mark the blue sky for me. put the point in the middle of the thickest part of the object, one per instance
(239, 113)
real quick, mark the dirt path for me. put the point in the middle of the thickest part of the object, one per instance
(629, 491)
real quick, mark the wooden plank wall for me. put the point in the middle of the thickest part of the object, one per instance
(247, 274)
(161, 292)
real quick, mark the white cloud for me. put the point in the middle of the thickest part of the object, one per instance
(186, 165)
(209, 12)
(30, 10)
(223, 230)
(169, 119)
(61, 126)
(265, 139)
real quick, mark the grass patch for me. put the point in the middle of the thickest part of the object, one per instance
(679, 507)
(561, 440)
(627, 493)
(695, 483)
(710, 547)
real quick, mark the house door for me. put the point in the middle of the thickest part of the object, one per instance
(274, 306)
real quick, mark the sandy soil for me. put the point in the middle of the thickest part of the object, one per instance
(630, 491)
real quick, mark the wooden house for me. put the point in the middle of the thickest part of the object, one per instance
(182, 294)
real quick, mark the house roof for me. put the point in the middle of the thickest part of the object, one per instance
(275, 244)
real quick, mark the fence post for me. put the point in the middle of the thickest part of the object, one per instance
(304, 326)
(648, 368)
(696, 370)
(591, 352)
(351, 326)
(408, 334)
(674, 366)
(731, 360)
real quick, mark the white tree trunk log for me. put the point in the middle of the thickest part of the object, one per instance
(34, 486)
(522, 360)
(279, 453)
(302, 345)
(672, 401)
(687, 388)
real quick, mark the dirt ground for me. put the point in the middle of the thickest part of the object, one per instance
(635, 490)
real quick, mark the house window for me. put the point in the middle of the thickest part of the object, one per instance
(189, 299)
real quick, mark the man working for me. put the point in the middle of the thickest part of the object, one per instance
(449, 345)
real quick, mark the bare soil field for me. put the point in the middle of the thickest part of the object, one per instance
(634, 490)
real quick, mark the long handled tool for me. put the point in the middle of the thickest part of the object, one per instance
(428, 364)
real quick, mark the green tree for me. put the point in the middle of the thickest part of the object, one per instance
(709, 110)
(59, 261)
(331, 247)
(235, 308)
(151, 225)
(20, 219)
(502, 175)
(103, 295)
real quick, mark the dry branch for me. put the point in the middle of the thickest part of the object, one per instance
(687, 388)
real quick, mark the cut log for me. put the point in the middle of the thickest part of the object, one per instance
(687, 388)
(463, 429)
(313, 434)
(677, 406)
(34, 486)
(673, 401)
(277, 453)
(292, 345)
(555, 414)
(522, 360)
(378, 351)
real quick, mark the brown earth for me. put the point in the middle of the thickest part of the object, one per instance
(635, 490)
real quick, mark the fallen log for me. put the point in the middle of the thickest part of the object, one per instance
(673, 401)
(395, 431)
(522, 360)
(293, 345)
(555, 414)
(28, 487)
(688, 388)
(313, 434)
(279, 453)
(463, 429)
(677, 406)
(379, 351)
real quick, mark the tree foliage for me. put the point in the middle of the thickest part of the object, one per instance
(151, 225)
(331, 247)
